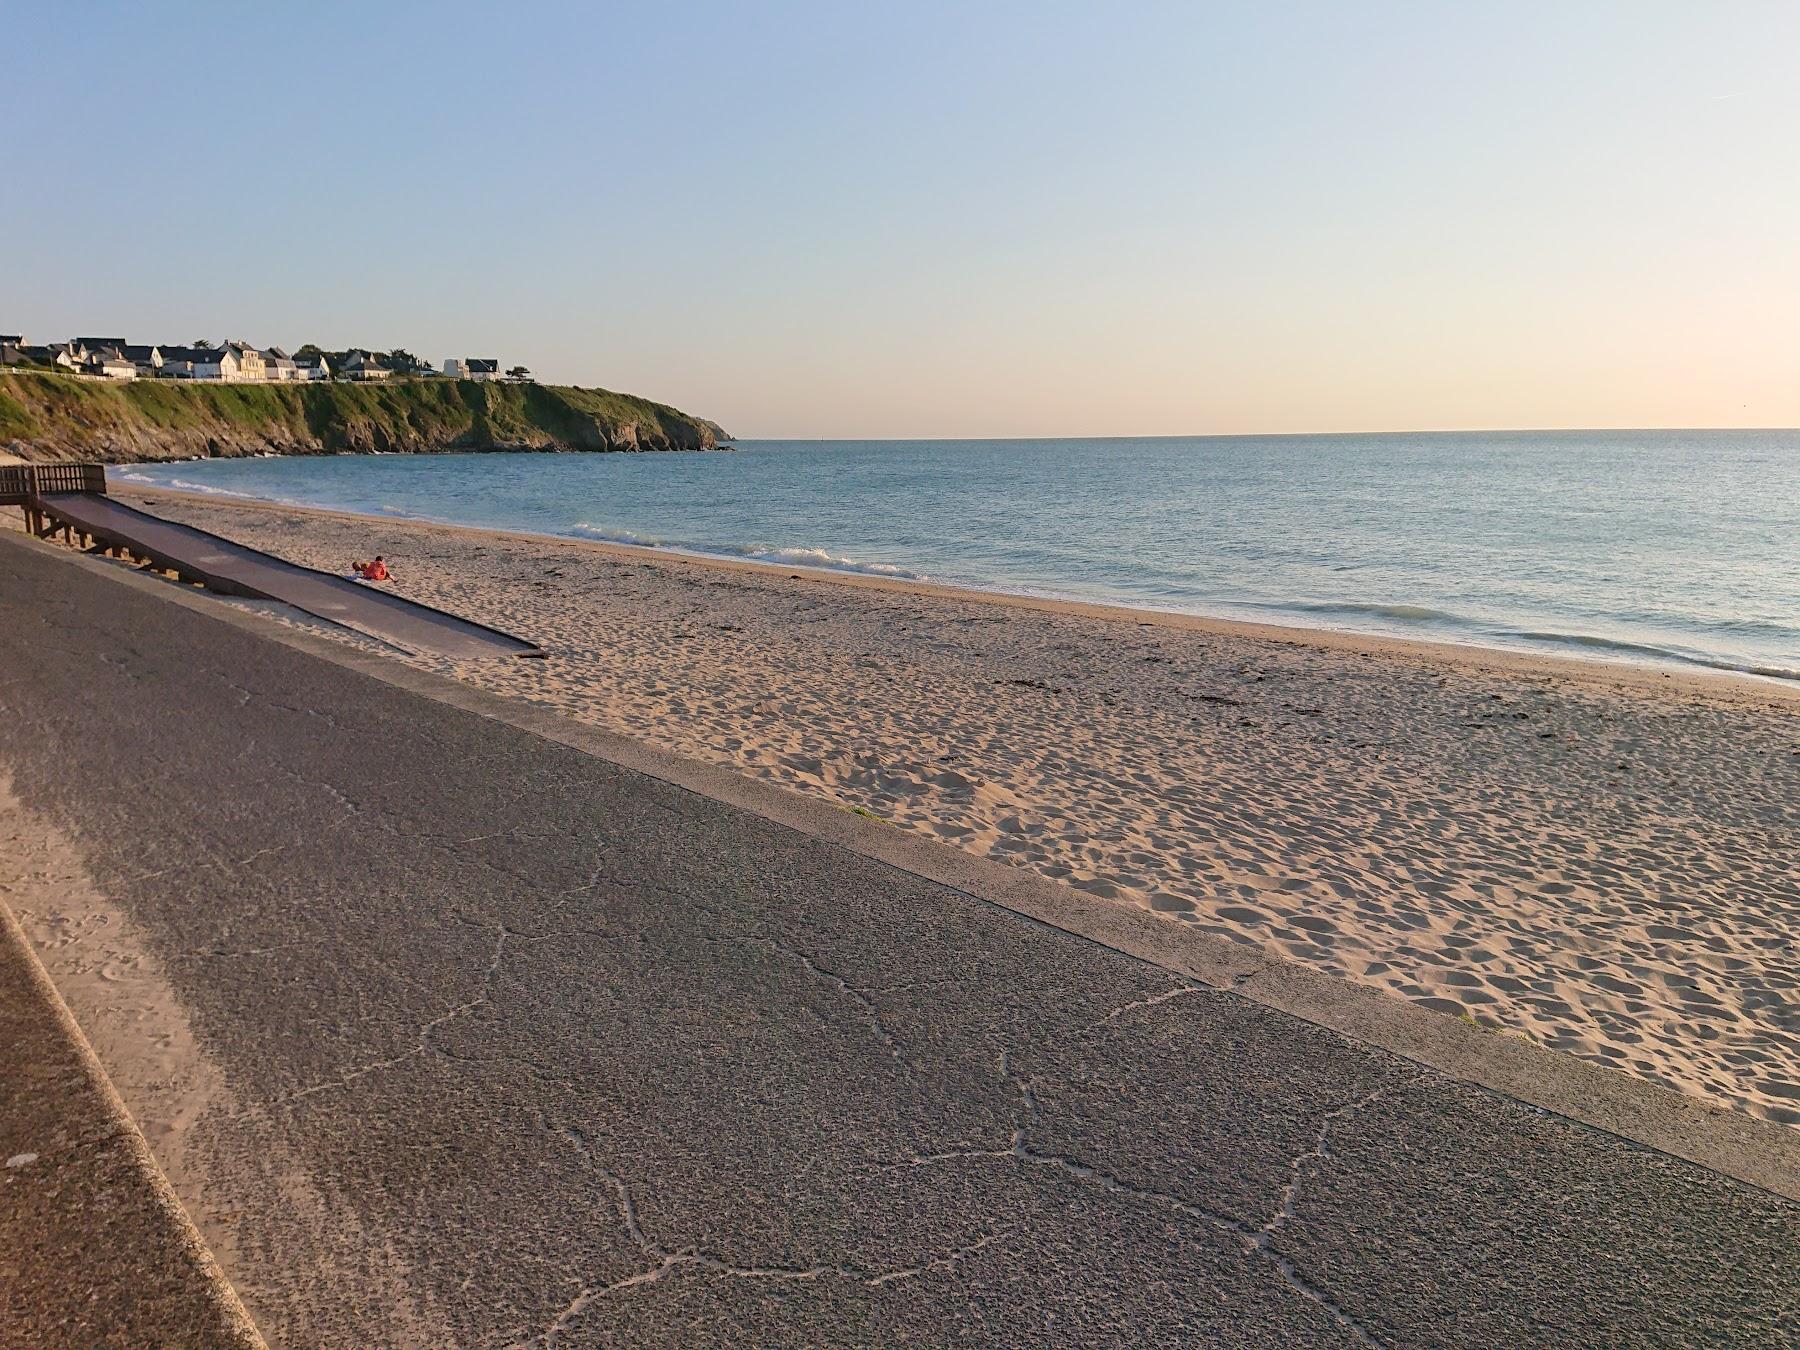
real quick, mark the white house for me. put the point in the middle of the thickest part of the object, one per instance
(363, 366)
(471, 368)
(148, 360)
(250, 364)
(26, 354)
(199, 363)
(110, 364)
(278, 365)
(313, 367)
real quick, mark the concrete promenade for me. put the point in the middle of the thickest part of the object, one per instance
(447, 1034)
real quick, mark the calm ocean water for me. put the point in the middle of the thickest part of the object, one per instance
(1679, 547)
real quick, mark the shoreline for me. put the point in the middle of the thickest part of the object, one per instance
(1621, 671)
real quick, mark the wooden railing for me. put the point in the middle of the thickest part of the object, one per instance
(20, 483)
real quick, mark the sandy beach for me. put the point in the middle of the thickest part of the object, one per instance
(1597, 857)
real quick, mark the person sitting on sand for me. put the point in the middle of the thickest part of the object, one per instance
(370, 571)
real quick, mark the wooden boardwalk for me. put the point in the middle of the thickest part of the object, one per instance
(70, 499)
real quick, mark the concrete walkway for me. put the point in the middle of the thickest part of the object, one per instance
(491, 1042)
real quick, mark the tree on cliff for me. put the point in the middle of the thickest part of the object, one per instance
(519, 373)
(202, 345)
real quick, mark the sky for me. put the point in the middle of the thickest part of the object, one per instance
(944, 220)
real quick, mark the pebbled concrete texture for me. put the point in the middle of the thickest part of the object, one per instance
(519, 1046)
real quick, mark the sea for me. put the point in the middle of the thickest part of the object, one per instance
(1668, 548)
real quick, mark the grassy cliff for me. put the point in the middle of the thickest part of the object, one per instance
(46, 418)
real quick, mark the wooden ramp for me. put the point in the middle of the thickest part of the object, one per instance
(235, 569)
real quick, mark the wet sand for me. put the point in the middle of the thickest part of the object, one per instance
(1598, 857)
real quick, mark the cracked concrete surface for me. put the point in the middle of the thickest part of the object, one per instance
(1256, 1240)
(857, 996)
(664, 1261)
(502, 937)
(588, 1060)
(1153, 1001)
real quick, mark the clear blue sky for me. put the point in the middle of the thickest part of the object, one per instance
(833, 220)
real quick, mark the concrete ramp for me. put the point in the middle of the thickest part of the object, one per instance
(236, 569)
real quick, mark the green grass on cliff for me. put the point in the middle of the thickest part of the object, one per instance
(59, 417)
(15, 421)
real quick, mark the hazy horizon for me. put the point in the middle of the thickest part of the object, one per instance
(1311, 433)
(1025, 222)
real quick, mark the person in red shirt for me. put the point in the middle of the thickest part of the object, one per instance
(370, 571)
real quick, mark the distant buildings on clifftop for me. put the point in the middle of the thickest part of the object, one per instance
(472, 368)
(113, 358)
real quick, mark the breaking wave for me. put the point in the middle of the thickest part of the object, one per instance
(1642, 650)
(1466, 628)
(1404, 613)
(115, 474)
(815, 558)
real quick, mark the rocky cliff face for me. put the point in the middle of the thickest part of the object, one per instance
(49, 418)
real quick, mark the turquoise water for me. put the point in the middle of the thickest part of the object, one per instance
(1678, 547)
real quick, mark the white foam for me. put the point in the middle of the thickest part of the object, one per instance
(816, 558)
(609, 536)
(180, 485)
